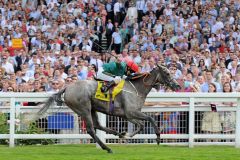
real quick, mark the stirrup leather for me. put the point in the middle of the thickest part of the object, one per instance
(106, 87)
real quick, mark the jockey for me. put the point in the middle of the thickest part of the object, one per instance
(113, 72)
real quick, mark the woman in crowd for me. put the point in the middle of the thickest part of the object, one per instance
(228, 118)
(211, 123)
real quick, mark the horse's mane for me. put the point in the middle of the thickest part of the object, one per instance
(140, 75)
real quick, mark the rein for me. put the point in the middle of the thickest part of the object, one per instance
(145, 76)
(145, 83)
(139, 76)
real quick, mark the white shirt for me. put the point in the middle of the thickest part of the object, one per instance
(117, 7)
(132, 13)
(158, 28)
(8, 67)
(211, 40)
(31, 27)
(168, 12)
(64, 75)
(87, 47)
(77, 11)
(56, 46)
(97, 62)
(110, 26)
(214, 28)
(220, 25)
(140, 5)
(136, 59)
(117, 38)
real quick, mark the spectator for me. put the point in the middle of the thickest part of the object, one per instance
(211, 120)
(117, 40)
(55, 86)
(228, 118)
(6, 65)
(58, 36)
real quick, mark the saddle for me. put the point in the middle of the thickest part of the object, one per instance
(111, 94)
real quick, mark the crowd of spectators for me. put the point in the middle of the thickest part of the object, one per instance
(62, 41)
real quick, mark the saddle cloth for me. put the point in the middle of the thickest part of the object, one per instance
(106, 96)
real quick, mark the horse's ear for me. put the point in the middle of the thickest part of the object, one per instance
(160, 66)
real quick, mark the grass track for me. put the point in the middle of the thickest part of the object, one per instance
(120, 152)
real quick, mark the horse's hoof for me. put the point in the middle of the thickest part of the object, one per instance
(110, 151)
(122, 135)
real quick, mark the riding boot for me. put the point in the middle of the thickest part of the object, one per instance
(106, 87)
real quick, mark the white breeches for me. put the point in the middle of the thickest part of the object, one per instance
(102, 76)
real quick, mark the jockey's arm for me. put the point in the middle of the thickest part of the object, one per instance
(109, 74)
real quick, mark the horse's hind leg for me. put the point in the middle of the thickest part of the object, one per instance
(90, 129)
(142, 116)
(139, 124)
(97, 125)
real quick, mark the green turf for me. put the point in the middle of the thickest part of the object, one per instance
(120, 152)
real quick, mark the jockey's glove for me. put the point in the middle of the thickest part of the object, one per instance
(117, 79)
(124, 77)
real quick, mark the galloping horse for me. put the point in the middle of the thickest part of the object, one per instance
(128, 103)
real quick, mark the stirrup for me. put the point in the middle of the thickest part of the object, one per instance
(104, 89)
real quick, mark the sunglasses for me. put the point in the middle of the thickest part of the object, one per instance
(9, 89)
(55, 83)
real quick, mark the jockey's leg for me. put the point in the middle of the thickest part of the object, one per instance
(106, 87)
(115, 81)
(111, 80)
(102, 76)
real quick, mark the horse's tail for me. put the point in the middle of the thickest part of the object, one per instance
(57, 97)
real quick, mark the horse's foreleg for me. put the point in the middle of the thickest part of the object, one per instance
(97, 125)
(91, 131)
(142, 116)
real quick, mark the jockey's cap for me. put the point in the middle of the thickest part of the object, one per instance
(133, 66)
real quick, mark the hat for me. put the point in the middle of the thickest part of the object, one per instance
(207, 50)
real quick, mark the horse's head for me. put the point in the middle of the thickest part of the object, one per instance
(164, 78)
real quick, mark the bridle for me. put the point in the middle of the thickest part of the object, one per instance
(156, 82)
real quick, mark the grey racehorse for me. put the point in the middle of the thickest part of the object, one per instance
(80, 98)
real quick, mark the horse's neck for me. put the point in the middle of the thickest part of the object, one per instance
(144, 84)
